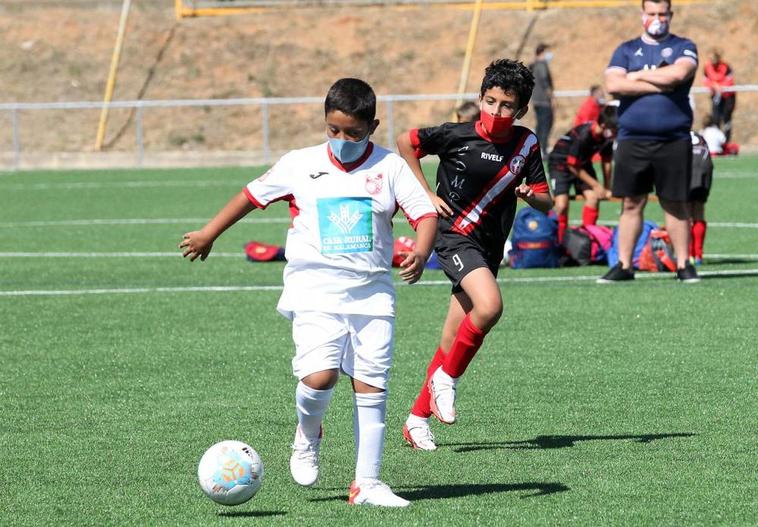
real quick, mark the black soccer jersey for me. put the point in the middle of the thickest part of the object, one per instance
(577, 147)
(477, 177)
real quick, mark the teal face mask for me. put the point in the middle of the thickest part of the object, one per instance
(348, 151)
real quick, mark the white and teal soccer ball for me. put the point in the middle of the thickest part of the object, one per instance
(230, 472)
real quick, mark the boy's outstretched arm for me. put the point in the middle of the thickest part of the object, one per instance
(542, 201)
(407, 152)
(412, 267)
(199, 243)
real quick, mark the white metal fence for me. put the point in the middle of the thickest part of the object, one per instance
(15, 110)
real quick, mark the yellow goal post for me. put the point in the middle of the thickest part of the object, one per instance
(198, 8)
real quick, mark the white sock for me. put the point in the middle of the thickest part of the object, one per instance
(414, 420)
(311, 406)
(368, 422)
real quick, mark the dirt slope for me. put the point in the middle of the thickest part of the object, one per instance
(62, 54)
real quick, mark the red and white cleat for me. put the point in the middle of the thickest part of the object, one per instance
(442, 403)
(419, 436)
(374, 492)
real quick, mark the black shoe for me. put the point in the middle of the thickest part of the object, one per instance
(616, 274)
(687, 275)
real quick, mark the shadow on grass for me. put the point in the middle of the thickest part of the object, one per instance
(560, 441)
(730, 260)
(438, 492)
(727, 274)
(251, 514)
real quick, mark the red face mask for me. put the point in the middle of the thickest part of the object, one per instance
(495, 125)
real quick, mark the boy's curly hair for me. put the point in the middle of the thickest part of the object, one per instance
(509, 75)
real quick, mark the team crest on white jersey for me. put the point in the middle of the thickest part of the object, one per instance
(516, 164)
(345, 225)
(374, 183)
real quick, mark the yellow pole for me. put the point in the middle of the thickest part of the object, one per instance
(469, 52)
(111, 84)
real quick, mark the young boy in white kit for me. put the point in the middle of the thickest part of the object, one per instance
(338, 289)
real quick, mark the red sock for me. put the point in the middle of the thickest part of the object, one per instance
(698, 237)
(421, 406)
(563, 221)
(589, 215)
(467, 342)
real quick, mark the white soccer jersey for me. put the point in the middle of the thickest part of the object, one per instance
(339, 247)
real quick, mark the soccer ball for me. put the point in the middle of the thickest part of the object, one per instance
(230, 472)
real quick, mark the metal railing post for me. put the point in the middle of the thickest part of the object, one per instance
(16, 140)
(140, 137)
(265, 132)
(390, 125)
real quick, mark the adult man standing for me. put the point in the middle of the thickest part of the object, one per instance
(652, 76)
(542, 95)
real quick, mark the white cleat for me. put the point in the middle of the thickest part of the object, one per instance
(419, 435)
(442, 390)
(304, 459)
(374, 492)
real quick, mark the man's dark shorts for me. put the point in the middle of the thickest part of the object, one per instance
(458, 255)
(561, 180)
(640, 166)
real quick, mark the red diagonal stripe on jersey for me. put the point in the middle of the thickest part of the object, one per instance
(470, 218)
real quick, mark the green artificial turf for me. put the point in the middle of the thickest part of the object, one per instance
(588, 405)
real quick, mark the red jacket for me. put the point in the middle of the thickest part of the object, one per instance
(719, 75)
(588, 111)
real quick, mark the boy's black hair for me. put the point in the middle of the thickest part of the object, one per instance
(609, 117)
(352, 97)
(509, 75)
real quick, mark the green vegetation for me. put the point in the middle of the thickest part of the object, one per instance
(588, 405)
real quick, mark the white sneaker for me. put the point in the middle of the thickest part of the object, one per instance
(442, 390)
(374, 492)
(419, 435)
(304, 459)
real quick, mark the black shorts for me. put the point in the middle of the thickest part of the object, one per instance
(641, 166)
(702, 178)
(561, 180)
(458, 255)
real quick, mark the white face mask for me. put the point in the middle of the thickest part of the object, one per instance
(548, 56)
(655, 26)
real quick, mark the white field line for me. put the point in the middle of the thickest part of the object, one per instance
(253, 220)
(79, 185)
(240, 254)
(131, 221)
(252, 288)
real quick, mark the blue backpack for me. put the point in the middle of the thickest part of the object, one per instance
(613, 253)
(534, 240)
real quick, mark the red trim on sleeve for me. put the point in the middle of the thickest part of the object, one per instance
(414, 223)
(416, 143)
(294, 209)
(540, 187)
(573, 161)
(258, 204)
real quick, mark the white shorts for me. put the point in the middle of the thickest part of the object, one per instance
(358, 345)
